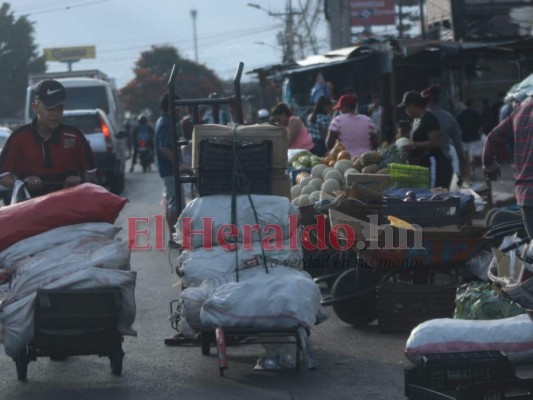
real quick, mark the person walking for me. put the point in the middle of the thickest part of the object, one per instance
(356, 132)
(450, 132)
(425, 149)
(318, 124)
(299, 137)
(165, 165)
(517, 127)
(46, 154)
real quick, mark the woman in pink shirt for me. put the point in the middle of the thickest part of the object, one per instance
(299, 137)
(355, 131)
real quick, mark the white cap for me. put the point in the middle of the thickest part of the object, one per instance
(263, 113)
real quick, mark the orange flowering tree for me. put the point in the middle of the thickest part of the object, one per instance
(152, 71)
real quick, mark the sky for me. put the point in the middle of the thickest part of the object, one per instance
(228, 31)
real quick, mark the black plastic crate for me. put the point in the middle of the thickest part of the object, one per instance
(509, 389)
(425, 213)
(450, 373)
(402, 306)
(76, 321)
(216, 162)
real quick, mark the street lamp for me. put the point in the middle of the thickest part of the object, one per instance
(194, 13)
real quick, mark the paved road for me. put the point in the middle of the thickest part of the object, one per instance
(352, 363)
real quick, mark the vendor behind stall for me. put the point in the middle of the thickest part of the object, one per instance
(425, 149)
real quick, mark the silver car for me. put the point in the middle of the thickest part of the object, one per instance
(109, 147)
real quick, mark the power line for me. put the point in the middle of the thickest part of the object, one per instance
(67, 8)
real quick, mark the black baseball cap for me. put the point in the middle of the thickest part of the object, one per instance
(50, 92)
(410, 97)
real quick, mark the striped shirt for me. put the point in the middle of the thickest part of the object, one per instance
(517, 127)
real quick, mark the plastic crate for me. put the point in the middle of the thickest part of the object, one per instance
(215, 171)
(402, 306)
(510, 389)
(408, 176)
(425, 213)
(76, 321)
(486, 375)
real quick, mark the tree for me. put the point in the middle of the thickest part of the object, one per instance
(152, 70)
(18, 58)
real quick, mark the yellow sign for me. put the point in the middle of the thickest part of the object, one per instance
(69, 53)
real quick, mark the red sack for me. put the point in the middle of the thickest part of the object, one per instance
(83, 203)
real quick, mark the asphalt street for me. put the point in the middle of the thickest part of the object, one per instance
(352, 363)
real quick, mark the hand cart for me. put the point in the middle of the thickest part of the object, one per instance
(218, 334)
(74, 322)
(372, 263)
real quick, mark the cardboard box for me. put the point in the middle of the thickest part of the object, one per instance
(376, 182)
(281, 185)
(248, 133)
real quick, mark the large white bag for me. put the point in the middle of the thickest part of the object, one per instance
(202, 264)
(513, 336)
(47, 266)
(17, 318)
(53, 238)
(282, 299)
(215, 212)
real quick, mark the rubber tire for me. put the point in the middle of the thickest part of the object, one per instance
(361, 310)
(205, 341)
(116, 359)
(21, 362)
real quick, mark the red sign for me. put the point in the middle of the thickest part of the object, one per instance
(372, 12)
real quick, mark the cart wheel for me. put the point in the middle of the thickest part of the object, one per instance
(205, 340)
(115, 359)
(21, 361)
(359, 310)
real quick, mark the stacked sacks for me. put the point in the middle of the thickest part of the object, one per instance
(74, 256)
(275, 295)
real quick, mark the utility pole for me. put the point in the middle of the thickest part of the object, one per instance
(289, 33)
(194, 13)
(288, 54)
(422, 19)
(339, 23)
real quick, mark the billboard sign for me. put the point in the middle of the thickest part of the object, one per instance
(69, 53)
(372, 12)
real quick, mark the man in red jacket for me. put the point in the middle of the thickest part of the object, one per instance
(46, 154)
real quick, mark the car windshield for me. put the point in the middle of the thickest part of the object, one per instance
(87, 123)
(82, 98)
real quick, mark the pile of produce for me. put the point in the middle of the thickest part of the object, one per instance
(328, 174)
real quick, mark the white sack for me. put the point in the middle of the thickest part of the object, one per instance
(202, 264)
(192, 299)
(54, 237)
(71, 257)
(512, 336)
(271, 210)
(284, 298)
(17, 318)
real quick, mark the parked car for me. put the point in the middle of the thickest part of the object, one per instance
(108, 146)
(5, 193)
